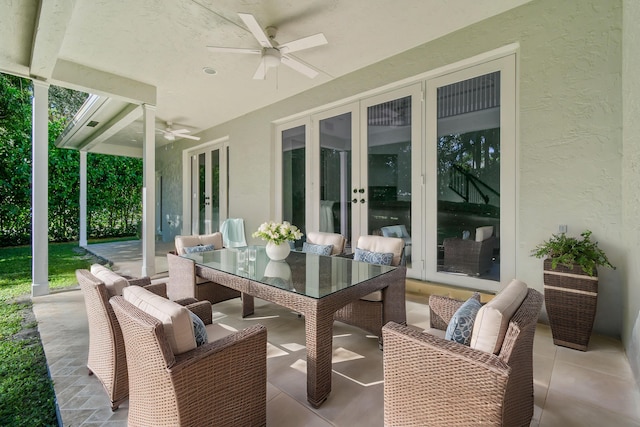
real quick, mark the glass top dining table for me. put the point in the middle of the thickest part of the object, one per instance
(316, 286)
(312, 275)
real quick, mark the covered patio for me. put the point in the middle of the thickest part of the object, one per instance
(570, 153)
(571, 388)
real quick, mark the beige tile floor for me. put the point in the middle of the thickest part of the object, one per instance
(572, 388)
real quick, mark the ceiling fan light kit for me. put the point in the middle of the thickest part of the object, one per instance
(272, 53)
(171, 134)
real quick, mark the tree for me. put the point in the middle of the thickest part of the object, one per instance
(15, 160)
(115, 183)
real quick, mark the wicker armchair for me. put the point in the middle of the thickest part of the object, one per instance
(183, 282)
(107, 360)
(376, 309)
(220, 383)
(432, 381)
(474, 257)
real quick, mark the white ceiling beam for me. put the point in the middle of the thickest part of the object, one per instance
(117, 150)
(127, 116)
(85, 79)
(51, 25)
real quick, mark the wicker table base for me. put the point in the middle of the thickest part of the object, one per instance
(318, 314)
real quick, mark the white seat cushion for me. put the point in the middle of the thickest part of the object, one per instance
(178, 326)
(493, 318)
(112, 281)
(373, 296)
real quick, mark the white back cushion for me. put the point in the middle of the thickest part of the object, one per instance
(178, 327)
(112, 281)
(381, 244)
(182, 242)
(322, 238)
(483, 233)
(493, 318)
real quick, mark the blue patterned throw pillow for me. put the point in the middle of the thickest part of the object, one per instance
(317, 249)
(460, 326)
(373, 257)
(199, 248)
(199, 330)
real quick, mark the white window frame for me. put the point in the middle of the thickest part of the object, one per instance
(279, 129)
(222, 144)
(424, 160)
(508, 176)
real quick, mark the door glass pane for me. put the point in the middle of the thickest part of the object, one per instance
(335, 175)
(389, 170)
(469, 177)
(215, 190)
(201, 194)
(293, 176)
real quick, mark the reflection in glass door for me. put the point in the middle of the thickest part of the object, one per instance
(294, 177)
(468, 177)
(335, 137)
(206, 190)
(389, 185)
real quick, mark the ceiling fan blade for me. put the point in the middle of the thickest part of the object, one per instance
(261, 71)
(303, 43)
(256, 30)
(233, 50)
(196, 138)
(299, 66)
(179, 131)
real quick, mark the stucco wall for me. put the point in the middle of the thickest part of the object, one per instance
(631, 180)
(570, 138)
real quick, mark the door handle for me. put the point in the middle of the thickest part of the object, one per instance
(362, 200)
(354, 201)
(361, 190)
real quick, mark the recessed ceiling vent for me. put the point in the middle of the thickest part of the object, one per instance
(92, 124)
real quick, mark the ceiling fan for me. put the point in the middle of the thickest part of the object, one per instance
(171, 134)
(272, 53)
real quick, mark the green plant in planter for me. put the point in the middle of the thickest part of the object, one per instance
(570, 251)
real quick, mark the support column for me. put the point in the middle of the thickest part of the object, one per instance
(148, 191)
(40, 189)
(83, 199)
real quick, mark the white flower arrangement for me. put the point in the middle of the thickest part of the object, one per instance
(277, 233)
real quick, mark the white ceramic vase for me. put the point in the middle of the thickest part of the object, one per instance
(278, 252)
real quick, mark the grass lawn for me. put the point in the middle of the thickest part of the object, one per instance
(26, 390)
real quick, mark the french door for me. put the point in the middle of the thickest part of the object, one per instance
(433, 163)
(348, 170)
(206, 202)
(388, 188)
(470, 152)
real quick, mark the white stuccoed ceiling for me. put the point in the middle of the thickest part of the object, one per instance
(163, 44)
